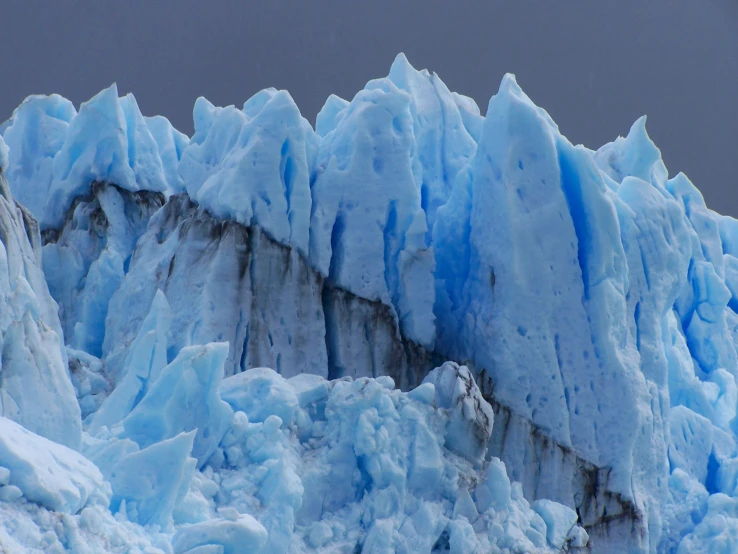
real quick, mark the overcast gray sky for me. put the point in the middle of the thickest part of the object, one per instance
(594, 65)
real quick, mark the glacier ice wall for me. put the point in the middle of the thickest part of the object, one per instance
(35, 389)
(592, 297)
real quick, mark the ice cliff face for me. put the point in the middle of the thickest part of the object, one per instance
(35, 389)
(590, 298)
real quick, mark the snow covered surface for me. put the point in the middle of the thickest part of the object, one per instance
(242, 341)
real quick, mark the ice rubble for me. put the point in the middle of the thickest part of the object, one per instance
(592, 298)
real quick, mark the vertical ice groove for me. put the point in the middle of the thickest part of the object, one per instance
(381, 249)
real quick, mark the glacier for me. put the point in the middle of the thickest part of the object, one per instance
(407, 328)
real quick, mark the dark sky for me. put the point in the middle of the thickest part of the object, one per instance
(594, 65)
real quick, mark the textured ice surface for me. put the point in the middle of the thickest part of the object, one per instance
(243, 315)
(48, 473)
(35, 389)
(223, 282)
(171, 143)
(367, 228)
(87, 261)
(403, 489)
(471, 418)
(245, 534)
(184, 398)
(253, 165)
(355, 463)
(60, 152)
(3, 155)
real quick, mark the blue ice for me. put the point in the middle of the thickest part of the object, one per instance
(591, 293)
